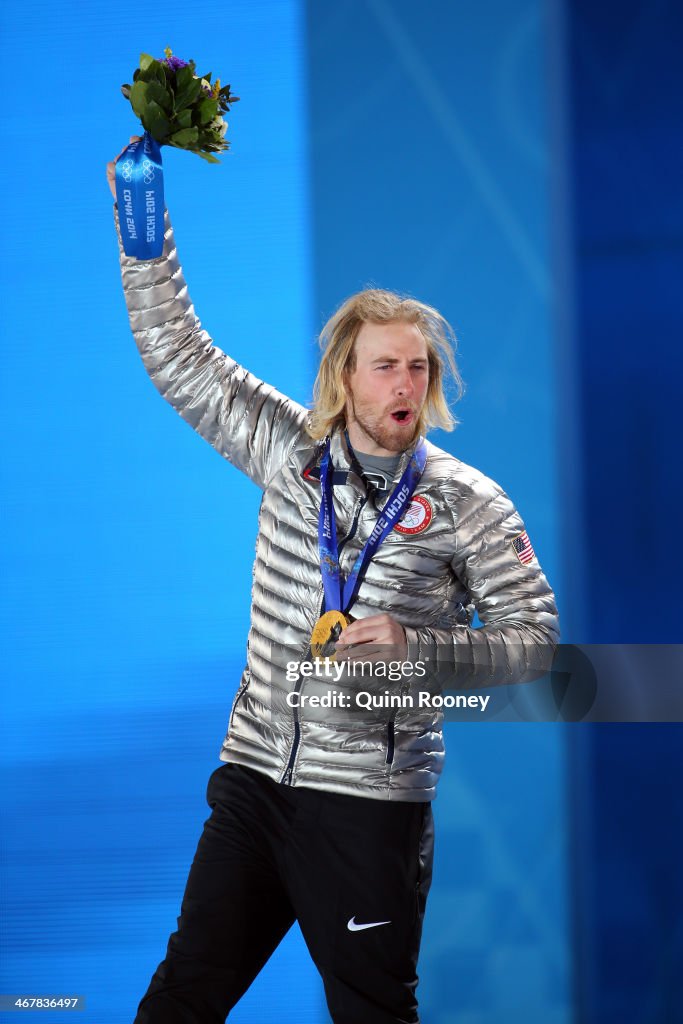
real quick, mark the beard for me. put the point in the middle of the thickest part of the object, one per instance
(379, 427)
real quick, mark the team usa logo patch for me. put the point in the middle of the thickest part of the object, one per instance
(522, 548)
(417, 516)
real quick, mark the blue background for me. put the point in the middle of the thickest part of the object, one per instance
(512, 163)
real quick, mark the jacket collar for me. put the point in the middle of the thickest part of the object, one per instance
(343, 460)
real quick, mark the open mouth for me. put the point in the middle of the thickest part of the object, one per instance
(402, 415)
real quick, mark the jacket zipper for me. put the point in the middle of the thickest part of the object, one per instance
(390, 743)
(286, 779)
(240, 692)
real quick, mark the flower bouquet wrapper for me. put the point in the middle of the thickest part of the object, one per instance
(140, 199)
(177, 108)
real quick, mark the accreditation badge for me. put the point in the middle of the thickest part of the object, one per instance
(326, 633)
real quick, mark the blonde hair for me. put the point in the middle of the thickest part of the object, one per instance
(338, 339)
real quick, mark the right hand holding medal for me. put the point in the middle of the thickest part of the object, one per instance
(370, 639)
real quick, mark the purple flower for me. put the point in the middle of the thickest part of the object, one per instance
(174, 63)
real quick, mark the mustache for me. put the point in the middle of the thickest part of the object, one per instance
(403, 407)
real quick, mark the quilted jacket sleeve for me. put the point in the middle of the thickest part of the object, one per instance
(514, 602)
(246, 421)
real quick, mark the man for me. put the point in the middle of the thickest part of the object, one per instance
(371, 537)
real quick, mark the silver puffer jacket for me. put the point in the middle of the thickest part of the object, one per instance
(431, 580)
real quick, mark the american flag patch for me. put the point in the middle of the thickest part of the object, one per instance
(523, 548)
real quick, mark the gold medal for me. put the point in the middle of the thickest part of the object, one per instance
(326, 633)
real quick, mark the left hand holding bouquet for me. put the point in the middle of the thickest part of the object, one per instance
(177, 108)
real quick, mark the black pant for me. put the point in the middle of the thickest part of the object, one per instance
(273, 854)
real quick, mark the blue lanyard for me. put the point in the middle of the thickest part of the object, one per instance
(340, 594)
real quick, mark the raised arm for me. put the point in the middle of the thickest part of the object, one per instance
(246, 421)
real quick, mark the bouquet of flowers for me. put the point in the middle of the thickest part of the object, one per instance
(178, 107)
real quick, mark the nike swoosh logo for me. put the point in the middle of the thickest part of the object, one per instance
(353, 927)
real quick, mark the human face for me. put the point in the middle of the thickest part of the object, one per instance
(387, 389)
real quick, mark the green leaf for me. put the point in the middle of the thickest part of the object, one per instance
(207, 78)
(158, 70)
(207, 110)
(187, 96)
(209, 159)
(185, 137)
(145, 60)
(155, 121)
(143, 94)
(184, 119)
(160, 95)
(154, 72)
(138, 97)
(183, 77)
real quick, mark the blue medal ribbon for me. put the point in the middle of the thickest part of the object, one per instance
(140, 198)
(340, 594)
